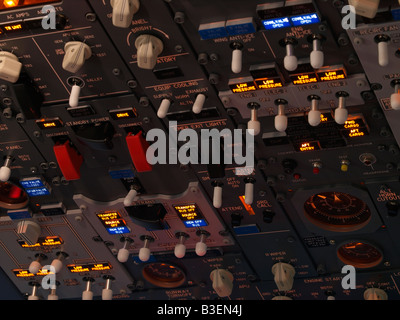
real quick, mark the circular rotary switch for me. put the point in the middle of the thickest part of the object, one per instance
(337, 211)
(164, 275)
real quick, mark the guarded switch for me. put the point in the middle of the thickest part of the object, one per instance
(123, 11)
(148, 49)
(76, 54)
(69, 160)
(138, 146)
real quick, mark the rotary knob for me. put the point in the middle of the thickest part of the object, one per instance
(283, 275)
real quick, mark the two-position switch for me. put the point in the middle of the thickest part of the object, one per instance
(249, 190)
(253, 125)
(76, 54)
(123, 253)
(180, 248)
(316, 55)
(87, 294)
(395, 97)
(35, 286)
(164, 107)
(131, 196)
(222, 282)
(201, 246)
(199, 103)
(10, 67)
(314, 115)
(144, 252)
(217, 194)
(383, 49)
(283, 275)
(290, 61)
(237, 56)
(69, 160)
(123, 11)
(137, 146)
(341, 113)
(281, 120)
(148, 48)
(36, 264)
(107, 293)
(5, 171)
(57, 263)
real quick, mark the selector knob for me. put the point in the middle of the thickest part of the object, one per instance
(201, 247)
(10, 67)
(76, 54)
(199, 103)
(341, 113)
(148, 49)
(222, 282)
(217, 194)
(383, 49)
(236, 65)
(375, 294)
(314, 115)
(253, 125)
(163, 109)
(283, 275)
(123, 11)
(290, 61)
(281, 120)
(395, 97)
(316, 55)
(5, 171)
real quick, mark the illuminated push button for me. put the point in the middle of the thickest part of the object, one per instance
(283, 276)
(123, 11)
(87, 294)
(375, 294)
(281, 120)
(10, 67)
(76, 54)
(344, 165)
(253, 125)
(148, 48)
(383, 49)
(69, 160)
(290, 61)
(249, 190)
(314, 115)
(201, 247)
(341, 113)
(163, 109)
(107, 293)
(74, 96)
(199, 103)
(5, 171)
(222, 282)
(395, 97)
(316, 55)
(237, 55)
(217, 194)
(316, 167)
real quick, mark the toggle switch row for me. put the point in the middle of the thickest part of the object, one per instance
(166, 104)
(248, 191)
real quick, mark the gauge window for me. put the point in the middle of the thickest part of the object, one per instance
(360, 254)
(337, 211)
(164, 275)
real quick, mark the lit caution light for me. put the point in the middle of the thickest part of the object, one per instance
(10, 3)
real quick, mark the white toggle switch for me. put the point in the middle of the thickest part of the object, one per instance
(283, 276)
(87, 294)
(281, 120)
(52, 295)
(148, 49)
(375, 294)
(144, 252)
(217, 194)
(314, 115)
(76, 54)
(107, 293)
(253, 125)
(222, 282)
(5, 171)
(383, 49)
(163, 109)
(199, 103)
(237, 54)
(341, 113)
(249, 190)
(201, 247)
(290, 61)
(34, 295)
(123, 253)
(36, 265)
(57, 263)
(10, 67)
(130, 197)
(316, 55)
(395, 97)
(74, 96)
(123, 11)
(180, 248)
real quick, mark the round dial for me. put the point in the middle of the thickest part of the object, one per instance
(360, 254)
(337, 211)
(164, 275)
(12, 197)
